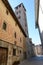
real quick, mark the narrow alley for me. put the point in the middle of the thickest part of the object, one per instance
(21, 32)
(33, 61)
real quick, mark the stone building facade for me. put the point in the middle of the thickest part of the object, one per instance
(39, 18)
(38, 50)
(11, 36)
(20, 12)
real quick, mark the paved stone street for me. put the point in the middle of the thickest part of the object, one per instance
(33, 61)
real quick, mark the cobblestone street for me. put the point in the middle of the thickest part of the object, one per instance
(33, 61)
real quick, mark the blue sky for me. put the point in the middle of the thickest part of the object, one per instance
(30, 12)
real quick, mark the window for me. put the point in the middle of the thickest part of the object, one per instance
(4, 26)
(20, 39)
(19, 11)
(15, 42)
(15, 34)
(20, 5)
(7, 12)
(14, 52)
(16, 7)
(20, 51)
(19, 17)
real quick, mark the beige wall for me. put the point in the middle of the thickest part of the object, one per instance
(8, 35)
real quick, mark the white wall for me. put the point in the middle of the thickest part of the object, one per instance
(41, 19)
(41, 15)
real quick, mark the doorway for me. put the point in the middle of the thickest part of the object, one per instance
(3, 56)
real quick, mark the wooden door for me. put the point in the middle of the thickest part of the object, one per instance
(3, 56)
